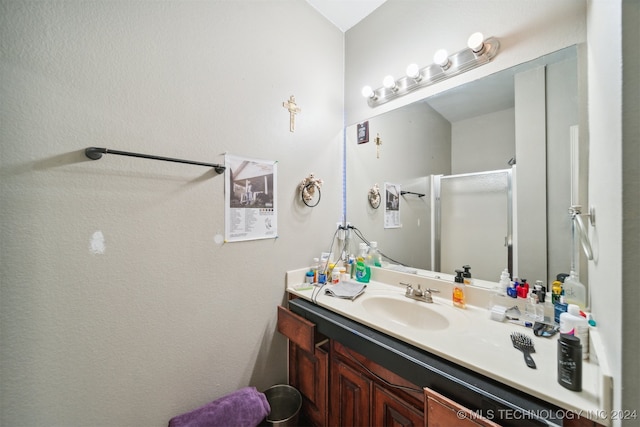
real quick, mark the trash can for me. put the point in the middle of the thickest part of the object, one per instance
(285, 402)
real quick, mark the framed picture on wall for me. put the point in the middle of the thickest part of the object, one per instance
(363, 132)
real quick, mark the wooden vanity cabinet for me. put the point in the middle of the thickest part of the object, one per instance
(341, 387)
(444, 412)
(308, 365)
(364, 393)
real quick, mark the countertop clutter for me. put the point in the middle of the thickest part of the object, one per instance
(468, 337)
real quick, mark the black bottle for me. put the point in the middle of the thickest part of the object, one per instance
(570, 362)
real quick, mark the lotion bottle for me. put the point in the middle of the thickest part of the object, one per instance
(458, 290)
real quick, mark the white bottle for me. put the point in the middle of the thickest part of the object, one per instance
(374, 258)
(574, 291)
(499, 295)
(573, 323)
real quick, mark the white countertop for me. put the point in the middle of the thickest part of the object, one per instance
(476, 342)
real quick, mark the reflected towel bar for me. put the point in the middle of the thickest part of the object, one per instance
(95, 153)
(402, 193)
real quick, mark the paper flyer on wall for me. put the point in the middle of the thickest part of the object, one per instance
(250, 199)
(392, 205)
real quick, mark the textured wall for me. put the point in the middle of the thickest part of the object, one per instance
(117, 306)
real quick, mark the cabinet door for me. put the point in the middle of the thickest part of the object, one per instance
(350, 396)
(309, 374)
(389, 410)
(444, 412)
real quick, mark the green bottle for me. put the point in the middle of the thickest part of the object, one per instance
(363, 272)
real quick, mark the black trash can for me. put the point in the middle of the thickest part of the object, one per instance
(285, 402)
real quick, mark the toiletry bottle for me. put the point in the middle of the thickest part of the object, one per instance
(458, 290)
(316, 269)
(363, 271)
(523, 289)
(466, 274)
(540, 291)
(308, 278)
(533, 310)
(559, 308)
(572, 323)
(374, 257)
(574, 291)
(556, 291)
(512, 291)
(570, 362)
(499, 295)
(335, 275)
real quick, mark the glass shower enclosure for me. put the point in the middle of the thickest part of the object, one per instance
(472, 223)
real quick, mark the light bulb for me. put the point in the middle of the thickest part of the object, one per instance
(441, 57)
(476, 42)
(367, 92)
(413, 72)
(389, 82)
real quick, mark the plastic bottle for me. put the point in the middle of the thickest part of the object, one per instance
(556, 291)
(505, 281)
(363, 271)
(574, 291)
(533, 310)
(560, 307)
(458, 290)
(374, 258)
(572, 323)
(466, 274)
(523, 289)
(499, 295)
(316, 269)
(570, 362)
(540, 291)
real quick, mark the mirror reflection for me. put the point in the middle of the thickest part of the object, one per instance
(520, 123)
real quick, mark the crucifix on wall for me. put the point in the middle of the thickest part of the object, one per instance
(293, 109)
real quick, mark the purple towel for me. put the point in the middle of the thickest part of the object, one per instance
(246, 407)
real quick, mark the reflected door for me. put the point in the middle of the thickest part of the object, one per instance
(473, 223)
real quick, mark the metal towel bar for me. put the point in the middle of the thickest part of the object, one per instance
(95, 153)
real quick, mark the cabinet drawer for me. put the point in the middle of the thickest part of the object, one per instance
(298, 329)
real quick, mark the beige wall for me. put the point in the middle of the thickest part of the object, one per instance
(165, 319)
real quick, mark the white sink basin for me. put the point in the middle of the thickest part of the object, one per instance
(410, 313)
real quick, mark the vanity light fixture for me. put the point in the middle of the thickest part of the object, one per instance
(441, 58)
(368, 92)
(476, 43)
(479, 51)
(390, 83)
(413, 72)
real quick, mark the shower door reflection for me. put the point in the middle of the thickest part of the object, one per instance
(472, 223)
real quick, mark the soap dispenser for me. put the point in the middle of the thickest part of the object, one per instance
(458, 290)
(467, 275)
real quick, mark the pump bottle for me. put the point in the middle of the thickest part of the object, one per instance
(458, 290)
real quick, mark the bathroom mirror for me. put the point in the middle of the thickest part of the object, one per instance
(526, 120)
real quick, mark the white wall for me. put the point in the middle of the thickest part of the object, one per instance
(165, 319)
(614, 187)
(493, 132)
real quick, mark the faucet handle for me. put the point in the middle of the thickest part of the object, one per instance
(409, 290)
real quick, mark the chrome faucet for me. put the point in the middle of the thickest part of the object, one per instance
(419, 294)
